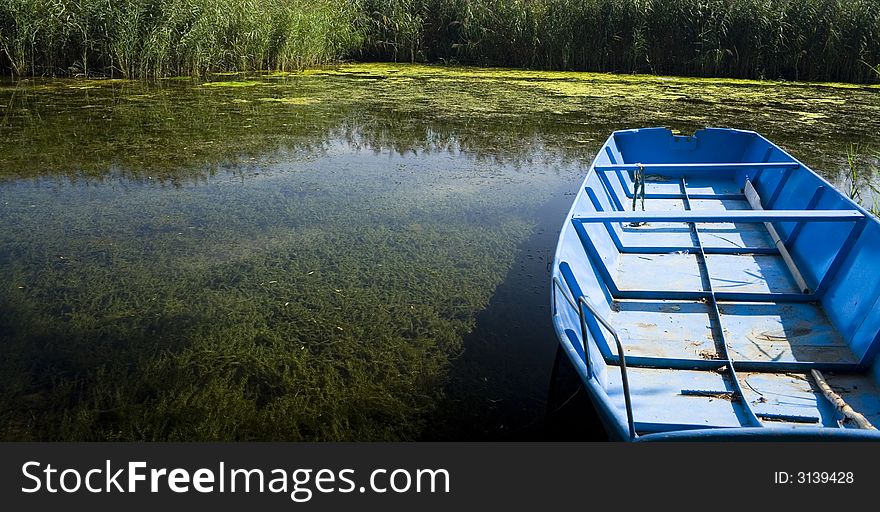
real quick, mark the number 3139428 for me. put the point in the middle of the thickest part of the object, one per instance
(814, 477)
(824, 477)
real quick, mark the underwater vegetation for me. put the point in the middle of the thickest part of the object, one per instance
(228, 310)
(813, 40)
(301, 256)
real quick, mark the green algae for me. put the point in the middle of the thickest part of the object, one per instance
(238, 83)
(184, 262)
(520, 103)
(303, 100)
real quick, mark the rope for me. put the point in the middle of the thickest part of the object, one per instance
(638, 189)
(848, 412)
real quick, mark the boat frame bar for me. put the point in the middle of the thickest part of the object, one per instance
(724, 352)
(671, 248)
(708, 166)
(756, 216)
(582, 303)
(602, 171)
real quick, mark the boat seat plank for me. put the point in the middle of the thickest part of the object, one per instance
(665, 329)
(670, 272)
(648, 237)
(698, 186)
(729, 234)
(750, 273)
(659, 403)
(787, 400)
(788, 332)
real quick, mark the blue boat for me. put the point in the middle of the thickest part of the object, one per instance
(713, 287)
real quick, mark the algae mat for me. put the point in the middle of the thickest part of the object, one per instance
(355, 253)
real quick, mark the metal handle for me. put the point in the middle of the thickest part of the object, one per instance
(571, 302)
(581, 304)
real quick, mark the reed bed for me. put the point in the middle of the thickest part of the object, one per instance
(830, 40)
(827, 40)
(150, 38)
(835, 40)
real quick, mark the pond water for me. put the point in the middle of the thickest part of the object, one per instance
(356, 253)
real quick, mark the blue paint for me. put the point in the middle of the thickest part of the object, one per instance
(706, 167)
(779, 188)
(704, 316)
(811, 205)
(725, 216)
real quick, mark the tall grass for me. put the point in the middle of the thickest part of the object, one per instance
(142, 38)
(863, 177)
(792, 39)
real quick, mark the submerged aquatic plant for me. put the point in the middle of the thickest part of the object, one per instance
(256, 309)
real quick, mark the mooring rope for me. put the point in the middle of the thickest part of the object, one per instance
(638, 189)
(639, 186)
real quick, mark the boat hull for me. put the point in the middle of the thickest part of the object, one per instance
(714, 287)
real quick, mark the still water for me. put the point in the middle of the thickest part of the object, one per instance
(357, 253)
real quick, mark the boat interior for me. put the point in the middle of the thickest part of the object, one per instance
(742, 288)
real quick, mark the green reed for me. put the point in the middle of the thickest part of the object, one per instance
(862, 175)
(144, 38)
(793, 39)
